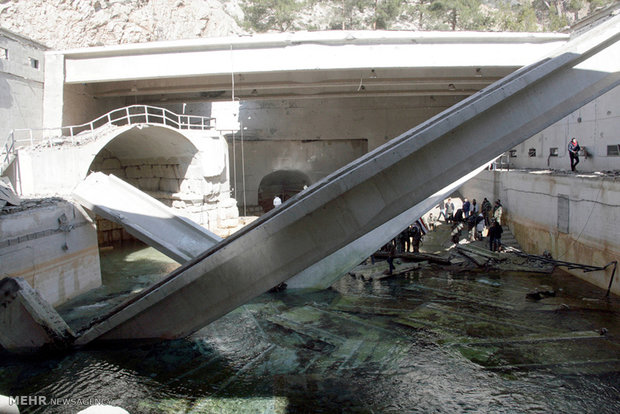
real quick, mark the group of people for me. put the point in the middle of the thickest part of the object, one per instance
(476, 217)
(407, 241)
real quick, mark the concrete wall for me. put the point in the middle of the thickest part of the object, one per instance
(313, 159)
(577, 219)
(595, 126)
(71, 104)
(376, 120)
(81, 107)
(316, 137)
(21, 84)
(52, 244)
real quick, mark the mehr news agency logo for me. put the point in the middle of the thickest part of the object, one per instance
(32, 400)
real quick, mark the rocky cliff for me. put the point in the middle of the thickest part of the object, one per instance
(63, 24)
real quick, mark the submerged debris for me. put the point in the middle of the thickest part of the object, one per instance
(380, 270)
(538, 295)
(278, 288)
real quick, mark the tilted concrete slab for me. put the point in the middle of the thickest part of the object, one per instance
(27, 322)
(177, 237)
(369, 192)
(324, 273)
(144, 217)
(109, 197)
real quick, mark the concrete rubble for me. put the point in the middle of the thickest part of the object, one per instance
(7, 193)
(439, 252)
(28, 321)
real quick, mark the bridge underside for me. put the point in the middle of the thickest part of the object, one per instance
(81, 84)
(370, 192)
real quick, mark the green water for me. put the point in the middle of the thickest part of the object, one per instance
(432, 341)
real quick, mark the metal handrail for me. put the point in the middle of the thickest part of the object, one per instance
(129, 115)
(6, 151)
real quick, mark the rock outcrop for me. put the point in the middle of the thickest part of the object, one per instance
(64, 24)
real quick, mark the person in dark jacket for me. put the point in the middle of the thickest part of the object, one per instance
(486, 211)
(391, 250)
(416, 236)
(495, 236)
(458, 216)
(573, 151)
(466, 207)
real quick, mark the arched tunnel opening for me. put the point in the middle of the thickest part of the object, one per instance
(283, 183)
(155, 160)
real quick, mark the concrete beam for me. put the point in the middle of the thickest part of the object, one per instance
(369, 192)
(277, 66)
(290, 51)
(53, 90)
(144, 217)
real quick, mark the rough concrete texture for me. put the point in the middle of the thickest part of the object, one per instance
(311, 159)
(7, 193)
(370, 191)
(374, 119)
(586, 230)
(27, 321)
(52, 244)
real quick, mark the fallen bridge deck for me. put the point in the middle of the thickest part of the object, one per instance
(370, 192)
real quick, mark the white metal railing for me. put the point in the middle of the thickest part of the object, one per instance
(502, 162)
(129, 115)
(6, 152)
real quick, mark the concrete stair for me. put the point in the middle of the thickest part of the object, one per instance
(508, 239)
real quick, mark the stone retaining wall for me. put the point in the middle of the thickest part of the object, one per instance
(178, 183)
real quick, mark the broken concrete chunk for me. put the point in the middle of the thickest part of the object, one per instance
(7, 193)
(27, 322)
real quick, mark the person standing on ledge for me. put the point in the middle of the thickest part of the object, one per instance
(573, 151)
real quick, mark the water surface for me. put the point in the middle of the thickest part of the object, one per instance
(432, 341)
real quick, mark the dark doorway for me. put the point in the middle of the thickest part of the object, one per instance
(283, 183)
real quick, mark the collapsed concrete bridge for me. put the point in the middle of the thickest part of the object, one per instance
(343, 218)
(337, 212)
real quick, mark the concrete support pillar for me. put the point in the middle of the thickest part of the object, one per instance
(53, 92)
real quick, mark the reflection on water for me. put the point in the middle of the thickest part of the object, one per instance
(431, 341)
(125, 270)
